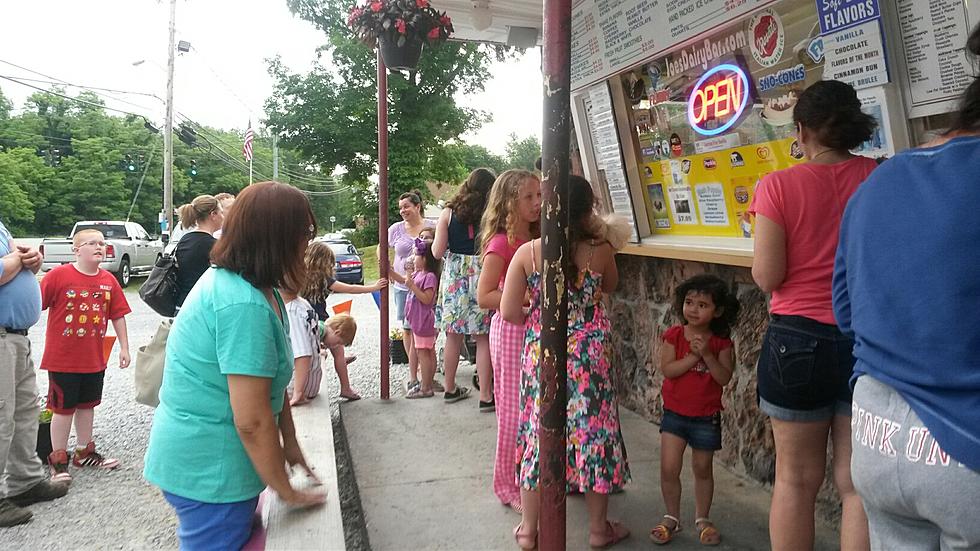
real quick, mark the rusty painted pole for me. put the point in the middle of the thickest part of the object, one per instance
(383, 218)
(554, 306)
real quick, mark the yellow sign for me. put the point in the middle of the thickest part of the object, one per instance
(709, 194)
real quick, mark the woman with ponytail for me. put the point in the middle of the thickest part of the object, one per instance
(906, 289)
(203, 216)
(806, 361)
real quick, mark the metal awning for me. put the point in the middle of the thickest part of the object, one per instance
(469, 15)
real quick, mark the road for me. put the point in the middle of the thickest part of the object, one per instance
(118, 509)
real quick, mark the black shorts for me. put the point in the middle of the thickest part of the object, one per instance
(70, 391)
(804, 370)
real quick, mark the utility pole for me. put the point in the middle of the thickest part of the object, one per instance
(275, 157)
(168, 131)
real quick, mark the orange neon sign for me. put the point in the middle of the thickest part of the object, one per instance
(720, 95)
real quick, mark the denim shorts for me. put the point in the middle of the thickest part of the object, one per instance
(701, 433)
(804, 370)
(401, 296)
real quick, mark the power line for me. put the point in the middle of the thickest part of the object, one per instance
(69, 98)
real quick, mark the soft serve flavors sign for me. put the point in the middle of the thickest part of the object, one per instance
(718, 99)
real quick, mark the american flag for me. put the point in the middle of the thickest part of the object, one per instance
(247, 148)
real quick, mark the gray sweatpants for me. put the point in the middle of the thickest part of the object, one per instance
(20, 468)
(916, 495)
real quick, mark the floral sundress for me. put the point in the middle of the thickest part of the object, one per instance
(596, 453)
(458, 310)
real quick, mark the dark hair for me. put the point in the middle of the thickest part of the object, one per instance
(832, 111)
(471, 199)
(581, 226)
(967, 118)
(414, 196)
(265, 236)
(721, 294)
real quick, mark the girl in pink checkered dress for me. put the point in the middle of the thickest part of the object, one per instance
(512, 218)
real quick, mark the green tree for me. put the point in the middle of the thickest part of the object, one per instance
(477, 156)
(522, 153)
(330, 114)
(22, 174)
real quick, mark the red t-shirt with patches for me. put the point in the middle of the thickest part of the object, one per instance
(695, 393)
(79, 308)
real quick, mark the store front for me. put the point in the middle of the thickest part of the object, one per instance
(680, 107)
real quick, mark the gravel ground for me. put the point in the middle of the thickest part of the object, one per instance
(118, 509)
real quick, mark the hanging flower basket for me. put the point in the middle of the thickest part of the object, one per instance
(405, 57)
(400, 28)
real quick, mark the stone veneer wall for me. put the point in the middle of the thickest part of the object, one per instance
(641, 311)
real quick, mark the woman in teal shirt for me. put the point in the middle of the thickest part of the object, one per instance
(215, 441)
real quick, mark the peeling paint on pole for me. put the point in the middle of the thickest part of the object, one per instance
(554, 299)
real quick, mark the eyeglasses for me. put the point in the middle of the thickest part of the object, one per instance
(93, 243)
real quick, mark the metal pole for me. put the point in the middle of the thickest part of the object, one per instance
(383, 218)
(168, 130)
(554, 305)
(140, 186)
(250, 171)
(275, 158)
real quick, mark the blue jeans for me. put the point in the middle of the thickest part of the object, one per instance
(212, 526)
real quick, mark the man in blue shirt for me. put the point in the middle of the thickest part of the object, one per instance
(22, 477)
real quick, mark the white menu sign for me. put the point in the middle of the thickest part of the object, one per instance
(608, 156)
(934, 33)
(610, 35)
(856, 56)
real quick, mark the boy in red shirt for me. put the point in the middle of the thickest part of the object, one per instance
(81, 299)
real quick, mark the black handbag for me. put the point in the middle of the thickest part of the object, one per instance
(160, 289)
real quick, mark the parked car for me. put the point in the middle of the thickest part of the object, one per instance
(129, 249)
(350, 268)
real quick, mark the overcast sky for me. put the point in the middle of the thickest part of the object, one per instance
(223, 81)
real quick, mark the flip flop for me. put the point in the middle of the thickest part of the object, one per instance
(615, 533)
(350, 397)
(524, 541)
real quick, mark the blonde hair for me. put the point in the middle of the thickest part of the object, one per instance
(79, 237)
(500, 215)
(200, 208)
(320, 265)
(344, 326)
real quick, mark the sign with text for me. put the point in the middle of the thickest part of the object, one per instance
(856, 56)
(718, 99)
(610, 35)
(837, 15)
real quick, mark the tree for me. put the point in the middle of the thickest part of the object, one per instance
(330, 115)
(522, 153)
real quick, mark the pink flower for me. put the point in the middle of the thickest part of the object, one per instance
(422, 3)
(434, 33)
(400, 25)
(376, 6)
(445, 20)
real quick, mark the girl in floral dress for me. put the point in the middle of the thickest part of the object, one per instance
(596, 455)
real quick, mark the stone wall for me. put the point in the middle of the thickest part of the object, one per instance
(641, 311)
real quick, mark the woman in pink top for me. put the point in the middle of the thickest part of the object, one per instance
(805, 364)
(512, 218)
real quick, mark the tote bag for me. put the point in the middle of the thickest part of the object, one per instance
(149, 366)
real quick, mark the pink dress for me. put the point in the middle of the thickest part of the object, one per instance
(506, 345)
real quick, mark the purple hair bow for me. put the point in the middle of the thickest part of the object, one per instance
(421, 246)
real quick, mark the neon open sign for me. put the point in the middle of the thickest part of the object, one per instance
(718, 99)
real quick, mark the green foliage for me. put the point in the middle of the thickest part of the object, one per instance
(522, 153)
(330, 114)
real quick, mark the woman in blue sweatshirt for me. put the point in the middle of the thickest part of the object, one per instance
(907, 287)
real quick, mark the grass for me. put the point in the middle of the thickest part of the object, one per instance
(369, 258)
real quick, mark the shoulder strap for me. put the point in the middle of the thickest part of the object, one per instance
(534, 262)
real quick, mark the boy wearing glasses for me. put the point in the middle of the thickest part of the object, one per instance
(81, 299)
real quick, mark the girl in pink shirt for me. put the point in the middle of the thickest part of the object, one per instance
(806, 363)
(512, 218)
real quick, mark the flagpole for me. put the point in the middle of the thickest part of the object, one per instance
(250, 172)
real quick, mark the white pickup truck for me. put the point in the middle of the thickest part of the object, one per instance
(129, 249)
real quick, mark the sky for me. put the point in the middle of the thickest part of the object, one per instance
(222, 82)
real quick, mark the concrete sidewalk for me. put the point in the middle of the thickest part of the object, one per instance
(424, 471)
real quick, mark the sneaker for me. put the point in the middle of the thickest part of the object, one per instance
(42, 491)
(488, 407)
(460, 393)
(12, 515)
(417, 393)
(58, 464)
(88, 457)
(437, 386)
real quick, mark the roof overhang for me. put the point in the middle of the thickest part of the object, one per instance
(469, 15)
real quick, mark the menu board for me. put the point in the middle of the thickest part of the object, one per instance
(608, 155)
(610, 35)
(934, 33)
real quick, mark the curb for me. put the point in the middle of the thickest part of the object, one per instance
(355, 527)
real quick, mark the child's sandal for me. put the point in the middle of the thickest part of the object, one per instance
(662, 533)
(524, 540)
(707, 533)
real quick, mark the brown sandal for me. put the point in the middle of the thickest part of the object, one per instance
(615, 533)
(525, 541)
(662, 533)
(707, 533)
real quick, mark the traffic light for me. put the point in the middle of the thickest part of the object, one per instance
(142, 161)
(193, 170)
(130, 165)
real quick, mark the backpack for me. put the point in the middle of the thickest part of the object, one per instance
(160, 289)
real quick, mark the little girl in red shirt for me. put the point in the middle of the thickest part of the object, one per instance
(697, 358)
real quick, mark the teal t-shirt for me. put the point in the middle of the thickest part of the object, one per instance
(225, 327)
